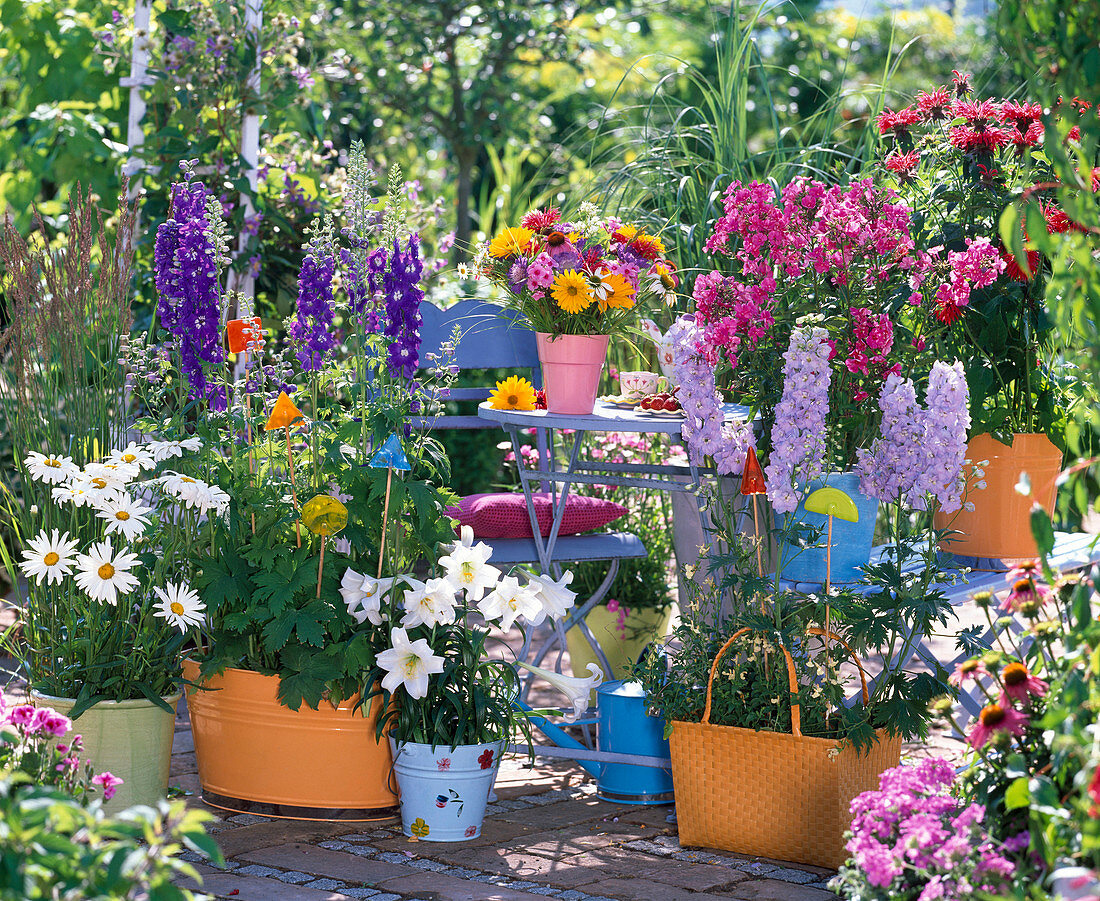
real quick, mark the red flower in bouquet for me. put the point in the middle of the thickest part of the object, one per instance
(539, 220)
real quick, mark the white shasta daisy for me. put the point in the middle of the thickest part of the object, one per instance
(50, 469)
(163, 450)
(408, 663)
(49, 556)
(106, 476)
(187, 489)
(180, 605)
(104, 575)
(133, 455)
(77, 492)
(124, 515)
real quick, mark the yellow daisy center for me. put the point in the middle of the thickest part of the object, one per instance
(99, 482)
(52, 462)
(129, 458)
(122, 515)
(176, 607)
(51, 558)
(186, 479)
(106, 571)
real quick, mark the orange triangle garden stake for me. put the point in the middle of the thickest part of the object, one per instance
(282, 415)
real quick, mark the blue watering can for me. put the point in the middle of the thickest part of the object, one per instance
(623, 726)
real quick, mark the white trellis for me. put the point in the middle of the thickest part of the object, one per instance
(139, 79)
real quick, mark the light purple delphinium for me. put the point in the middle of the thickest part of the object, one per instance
(798, 436)
(704, 431)
(890, 469)
(946, 422)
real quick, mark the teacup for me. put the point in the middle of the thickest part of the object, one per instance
(638, 382)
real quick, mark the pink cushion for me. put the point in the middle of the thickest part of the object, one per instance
(505, 515)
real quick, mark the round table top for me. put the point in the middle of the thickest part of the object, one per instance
(604, 418)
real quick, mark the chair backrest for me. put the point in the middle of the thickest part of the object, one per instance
(489, 338)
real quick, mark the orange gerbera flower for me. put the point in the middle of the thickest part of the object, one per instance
(615, 292)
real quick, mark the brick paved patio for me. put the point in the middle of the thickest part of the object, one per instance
(546, 836)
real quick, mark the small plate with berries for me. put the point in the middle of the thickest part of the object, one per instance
(663, 404)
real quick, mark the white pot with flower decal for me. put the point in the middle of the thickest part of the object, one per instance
(444, 790)
(450, 705)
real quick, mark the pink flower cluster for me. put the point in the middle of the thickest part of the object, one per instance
(914, 838)
(976, 267)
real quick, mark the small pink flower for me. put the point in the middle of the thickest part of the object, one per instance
(109, 783)
(1020, 684)
(613, 605)
(1025, 591)
(23, 715)
(968, 669)
(1002, 717)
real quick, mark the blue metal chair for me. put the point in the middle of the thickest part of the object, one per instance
(490, 338)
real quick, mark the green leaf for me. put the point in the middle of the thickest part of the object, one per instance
(1018, 795)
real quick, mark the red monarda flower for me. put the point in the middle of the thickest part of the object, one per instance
(962, 83)
(1014, 270)
(1058, 222)
(537, 220)
(935, 105)
(978, 139)
(903, 163)
(900, 122)
(1022, 115)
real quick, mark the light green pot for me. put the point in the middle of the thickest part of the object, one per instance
(129, 739)
(621, 646)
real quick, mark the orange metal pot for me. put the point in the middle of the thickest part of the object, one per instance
(999, 526)
(256, 755)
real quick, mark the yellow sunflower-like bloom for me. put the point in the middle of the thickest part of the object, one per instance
(571, 291)
(627, 232)
(513, 393)
(619, 293)
(510, 242)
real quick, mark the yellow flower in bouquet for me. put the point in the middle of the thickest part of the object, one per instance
(571, 292)
(513, 393)
(614, 292)
(510, 242)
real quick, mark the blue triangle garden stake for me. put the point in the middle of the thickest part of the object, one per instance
(390, 455)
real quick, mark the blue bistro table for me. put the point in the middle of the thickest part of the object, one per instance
(573, 431)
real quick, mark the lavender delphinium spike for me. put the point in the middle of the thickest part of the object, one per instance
(892, 466)
(946, 422)
(703, 430)
(798, 436)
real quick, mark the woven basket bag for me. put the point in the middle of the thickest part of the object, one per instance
(769, 794)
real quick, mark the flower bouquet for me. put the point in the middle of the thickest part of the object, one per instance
(575, 283)
(450, 707)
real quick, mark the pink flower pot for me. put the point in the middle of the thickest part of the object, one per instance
(571, 368)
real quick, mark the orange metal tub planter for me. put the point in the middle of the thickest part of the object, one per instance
(257, 756)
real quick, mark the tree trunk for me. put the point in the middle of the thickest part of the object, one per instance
(463, 226)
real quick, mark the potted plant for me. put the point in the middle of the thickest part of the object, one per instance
(820, 276)
(575, 283)
(958, 161)
(451, 708)
(283, 676)
(96, 638)
(776, 712)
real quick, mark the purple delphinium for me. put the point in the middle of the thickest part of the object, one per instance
(798, 436)
(912, 834)
(189, 291)
(703, 430)
(403, 294)
(946, 422)
(890, 469)
(311, 330)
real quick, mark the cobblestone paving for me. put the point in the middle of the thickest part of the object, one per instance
(546, 836)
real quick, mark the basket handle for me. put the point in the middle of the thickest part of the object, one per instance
(792, 676)
(792, 682)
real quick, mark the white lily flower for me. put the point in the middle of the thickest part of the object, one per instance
(408, 663)
(467, 566)
(555, 597)
(578, 690)
(508, 601)
(363, 595)
(429, 603)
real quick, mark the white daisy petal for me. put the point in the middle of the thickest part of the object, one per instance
(50, 557)
(103, 575)
(180, 605)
